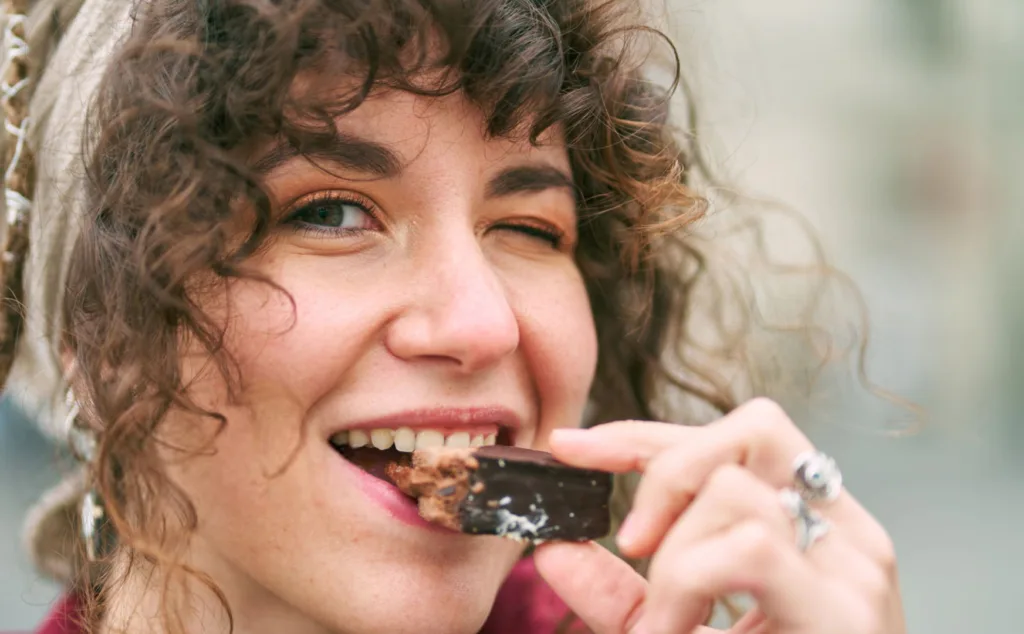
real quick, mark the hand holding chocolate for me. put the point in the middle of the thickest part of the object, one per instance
(517, 493)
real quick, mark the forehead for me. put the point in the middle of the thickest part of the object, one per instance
(421, 130)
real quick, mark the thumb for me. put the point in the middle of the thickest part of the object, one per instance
(601, 589)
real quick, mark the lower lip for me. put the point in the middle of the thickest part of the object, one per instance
(388, 497)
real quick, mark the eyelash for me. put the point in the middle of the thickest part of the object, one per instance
(551, 235)
(365, 205)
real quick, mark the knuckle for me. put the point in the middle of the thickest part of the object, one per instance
(765, 408)
(876, 588)
(865, 616)
(735, 487)
(881, 547)
(674, 574)
(681, 579)
(726, 480)
(766, 417)
(759, 543)
(664, 471)
(885, 553)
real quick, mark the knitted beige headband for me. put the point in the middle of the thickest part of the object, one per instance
(44, 183)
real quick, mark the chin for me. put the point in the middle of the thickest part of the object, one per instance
(425, 619)
(377, 582)
(419, 604)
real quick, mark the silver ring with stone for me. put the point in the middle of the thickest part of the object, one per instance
(809, 525)
(816, 477)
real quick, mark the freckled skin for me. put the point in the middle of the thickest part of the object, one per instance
(435, 302)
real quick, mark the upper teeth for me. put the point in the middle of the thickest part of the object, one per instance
(406, 439)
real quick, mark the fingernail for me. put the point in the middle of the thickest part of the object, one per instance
(629, 531)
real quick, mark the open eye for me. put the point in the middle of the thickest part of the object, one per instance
(334, 213)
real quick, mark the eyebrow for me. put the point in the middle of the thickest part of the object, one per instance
(526, 179)
(344, 150)
(358, 154)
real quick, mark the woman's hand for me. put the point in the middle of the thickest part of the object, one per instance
(708, 513)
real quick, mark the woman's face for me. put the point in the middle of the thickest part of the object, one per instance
(434, 288)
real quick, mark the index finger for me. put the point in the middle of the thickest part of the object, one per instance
(619, 447)
(758, 435)
(676, 461)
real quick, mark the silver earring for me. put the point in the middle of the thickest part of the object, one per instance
(94, 530)
(94, 521)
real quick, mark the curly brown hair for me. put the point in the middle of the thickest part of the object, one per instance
(169, 169)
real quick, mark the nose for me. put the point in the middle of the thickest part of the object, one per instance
(458, 311)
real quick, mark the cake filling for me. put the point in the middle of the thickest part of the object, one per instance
(374, 461)
(439, 479)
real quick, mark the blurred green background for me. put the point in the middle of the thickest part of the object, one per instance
(895, 126)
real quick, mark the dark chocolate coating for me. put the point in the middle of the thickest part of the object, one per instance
(527, 494)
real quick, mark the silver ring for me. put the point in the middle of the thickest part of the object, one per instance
(816, 477)
(810, 526)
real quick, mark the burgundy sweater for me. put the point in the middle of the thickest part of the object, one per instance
(525, 604)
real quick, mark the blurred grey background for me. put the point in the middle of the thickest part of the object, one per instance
(895, 126)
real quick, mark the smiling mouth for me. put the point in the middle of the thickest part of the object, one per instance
(374, 450)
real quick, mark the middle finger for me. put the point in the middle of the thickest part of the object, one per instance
(734, 495)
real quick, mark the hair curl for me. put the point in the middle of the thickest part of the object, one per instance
(197, 82)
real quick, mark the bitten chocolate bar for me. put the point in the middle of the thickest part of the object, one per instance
(517, 493)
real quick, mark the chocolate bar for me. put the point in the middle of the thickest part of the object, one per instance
(518, 493)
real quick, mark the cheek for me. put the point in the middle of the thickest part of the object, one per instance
(287, 354)
(252, 496)
(291, 348)
(560, 343)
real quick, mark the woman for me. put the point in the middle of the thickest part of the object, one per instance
(310, 222)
